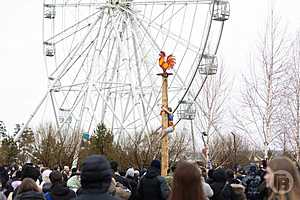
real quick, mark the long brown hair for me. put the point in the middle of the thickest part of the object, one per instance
(285, 164)
(27, 185)
(187, 183)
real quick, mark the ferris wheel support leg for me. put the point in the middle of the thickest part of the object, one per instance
(19, 134)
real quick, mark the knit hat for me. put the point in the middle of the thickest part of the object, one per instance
(28, 171)
(155, 164)
(95, 172)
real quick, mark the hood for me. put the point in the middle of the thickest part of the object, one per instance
(238, 189)
(96, 172)
(30, 195)
(152, 172)
(219, 175)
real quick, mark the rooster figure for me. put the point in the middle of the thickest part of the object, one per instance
(168, 63)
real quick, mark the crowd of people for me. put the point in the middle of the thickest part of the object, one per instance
(99, 179)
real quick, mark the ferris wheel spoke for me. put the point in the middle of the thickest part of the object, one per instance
(68, 29)
(166, 32)
(68, 59)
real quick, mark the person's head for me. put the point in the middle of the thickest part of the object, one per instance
(130, 173)
(282, 174)
(187, 182)
(155, 164)
(45, 175)
(114, 165)
(29, 171)
(28, 184)
(67, 169)
(229, 175)
(96, 173)
(252, 169)
(219, 175)
(56, 177)
(210, 173)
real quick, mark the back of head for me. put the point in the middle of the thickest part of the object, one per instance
(28, 184)
(187, 182)
(219, 175)
(285, 164)
(56, 177)
(96, 173)
(114, 165)
(229, 175)
(155, 164)
(28, 171)
(130, 173)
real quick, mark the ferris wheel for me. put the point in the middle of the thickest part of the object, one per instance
(101, 59)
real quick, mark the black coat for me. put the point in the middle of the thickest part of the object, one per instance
(94, 194)
(31, 195)
(218, 186)
(153, 186)
(61, 192)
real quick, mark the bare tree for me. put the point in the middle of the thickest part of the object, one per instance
(211, 107)
(262, 91)
(291, 109)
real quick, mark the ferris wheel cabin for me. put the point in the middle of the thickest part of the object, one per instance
(49, 12)
(187, 110)
(221, 11)
(209, 65)
(49, 49)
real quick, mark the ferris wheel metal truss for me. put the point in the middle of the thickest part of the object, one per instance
(100, 59)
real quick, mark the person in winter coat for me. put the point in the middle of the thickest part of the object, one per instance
(28, 171)
(152, 186)
(187, 183)
(28, 190)
(46, 183)
(218, 185)
(132, 182)
(207, 191)
(233, 190)
(58, 190)
(96, 175)
(74, 181)
(252, 182)
(117, 176)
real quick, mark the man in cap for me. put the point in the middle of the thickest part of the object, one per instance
(96, 176)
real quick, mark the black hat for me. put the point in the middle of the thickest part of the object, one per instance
(95, 172)
(155, 164)
(28, 171)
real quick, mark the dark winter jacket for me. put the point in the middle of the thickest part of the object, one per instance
(218, 185)
(234, 190)
(30, 195)
(122, 180)
(153, 186)
(94, 194)
(133, 185)
(46, 187)
(61, 192)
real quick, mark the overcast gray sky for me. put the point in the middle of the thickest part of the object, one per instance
(22, 72)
